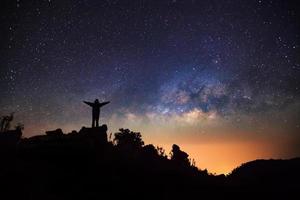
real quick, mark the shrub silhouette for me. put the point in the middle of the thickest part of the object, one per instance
(179, 157)
(128, 139)
(149, 150)
(161, 151)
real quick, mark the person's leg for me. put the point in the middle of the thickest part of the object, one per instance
(93, 122)
(97, 122)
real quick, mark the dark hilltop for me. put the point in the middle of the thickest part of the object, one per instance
(86, 165)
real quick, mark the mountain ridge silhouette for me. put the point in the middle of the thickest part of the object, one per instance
(86, 165)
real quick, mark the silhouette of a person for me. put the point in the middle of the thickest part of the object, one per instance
(96, 111)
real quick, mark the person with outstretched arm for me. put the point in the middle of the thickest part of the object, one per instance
(96, 111)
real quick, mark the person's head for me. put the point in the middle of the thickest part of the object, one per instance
(96, 101)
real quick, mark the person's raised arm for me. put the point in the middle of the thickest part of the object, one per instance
(104, 103)
(88, 103)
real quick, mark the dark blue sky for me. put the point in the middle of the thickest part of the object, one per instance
(185, 72)
(151, 58)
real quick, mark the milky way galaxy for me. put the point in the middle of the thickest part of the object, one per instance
(221, 79)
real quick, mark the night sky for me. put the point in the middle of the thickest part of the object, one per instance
(219, 78)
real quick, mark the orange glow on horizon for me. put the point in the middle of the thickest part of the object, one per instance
(218, 148)
(223, 157)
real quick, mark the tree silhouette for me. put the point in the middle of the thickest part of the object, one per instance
(128, 139)
(161, 151)
(6, 122)
(179, 157)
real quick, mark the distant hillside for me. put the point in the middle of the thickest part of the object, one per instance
(271, 172)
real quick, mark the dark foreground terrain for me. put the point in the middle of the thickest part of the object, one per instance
(85, 165)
